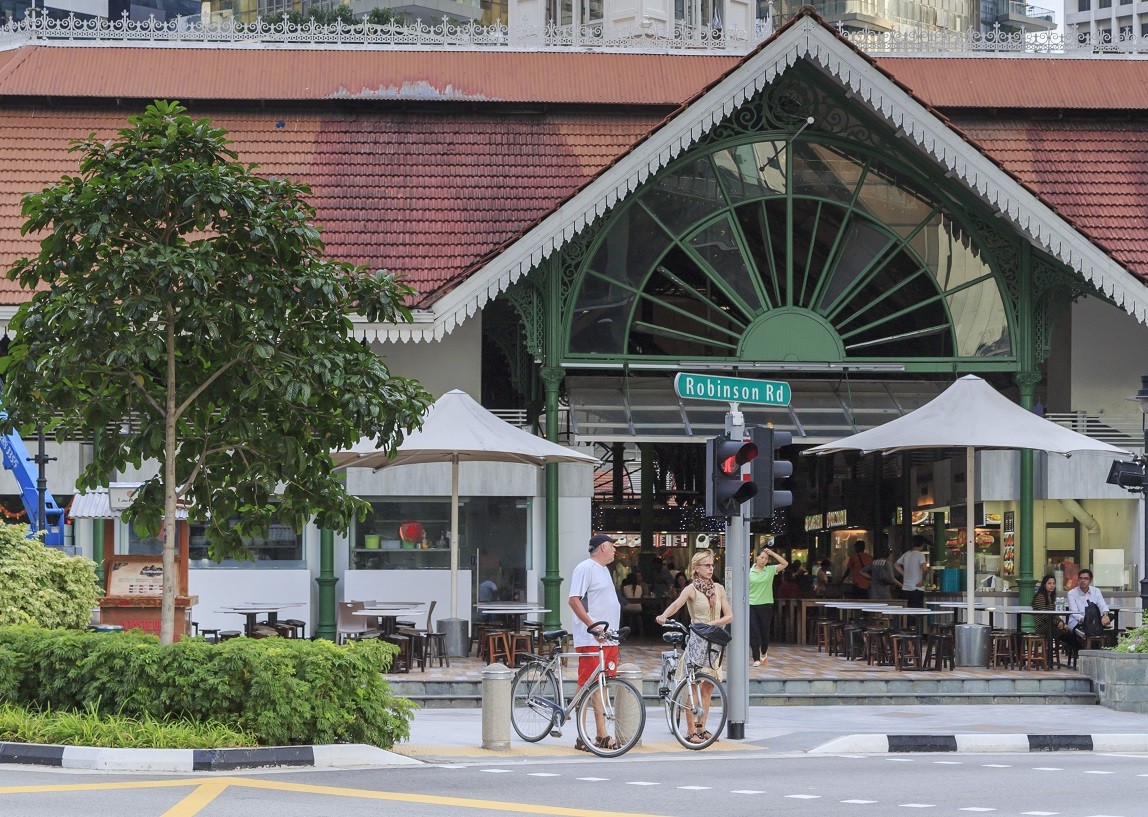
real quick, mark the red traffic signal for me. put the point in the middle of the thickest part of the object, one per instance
(726, 488)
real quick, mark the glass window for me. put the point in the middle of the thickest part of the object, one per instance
(282, 547)
(414, 534)
(1083, 5)
(752, 171)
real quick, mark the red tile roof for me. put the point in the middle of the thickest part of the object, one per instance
(369, 75)
(420, 193)
(430, 189)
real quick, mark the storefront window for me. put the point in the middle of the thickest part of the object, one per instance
(414, 534)
(282, 547)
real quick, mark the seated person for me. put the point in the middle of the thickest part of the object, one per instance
(1078, 599)
(487, 592)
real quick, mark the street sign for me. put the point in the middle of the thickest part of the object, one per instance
(732, 389)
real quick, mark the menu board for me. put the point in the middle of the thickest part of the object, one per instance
(1008, 544)
(135, 576)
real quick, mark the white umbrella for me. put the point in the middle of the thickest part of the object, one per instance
(456, 429)
(970, 414)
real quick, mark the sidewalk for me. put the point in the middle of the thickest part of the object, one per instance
(455, 735)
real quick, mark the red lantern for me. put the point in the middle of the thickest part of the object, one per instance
(411, 531)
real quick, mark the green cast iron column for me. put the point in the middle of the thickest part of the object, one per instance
(325, 626)
(1026, 379)
(551, 580)
(647, 503)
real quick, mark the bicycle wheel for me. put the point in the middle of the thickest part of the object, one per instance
(689, 703)
(622, 717)
(534, 696)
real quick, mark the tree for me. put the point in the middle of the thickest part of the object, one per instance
(185, 313)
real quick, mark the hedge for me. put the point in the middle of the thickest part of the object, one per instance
(281, 690)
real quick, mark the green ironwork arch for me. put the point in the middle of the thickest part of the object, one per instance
(769, 248)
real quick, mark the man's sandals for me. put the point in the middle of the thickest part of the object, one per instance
(700, 736)
(602, 742)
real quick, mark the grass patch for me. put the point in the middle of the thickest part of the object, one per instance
(18, 725)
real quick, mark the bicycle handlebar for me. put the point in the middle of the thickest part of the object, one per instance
(611, 635)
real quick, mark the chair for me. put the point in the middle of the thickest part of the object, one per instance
(347, 623)
(427, 644)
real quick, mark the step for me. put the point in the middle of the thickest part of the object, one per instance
(820, 692)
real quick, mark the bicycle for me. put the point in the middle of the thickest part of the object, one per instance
(698, 697)
(538, 707)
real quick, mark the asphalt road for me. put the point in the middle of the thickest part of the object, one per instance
(1029, 785)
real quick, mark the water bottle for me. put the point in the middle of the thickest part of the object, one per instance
(1060, 605)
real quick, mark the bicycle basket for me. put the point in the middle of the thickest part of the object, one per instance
(717, 636)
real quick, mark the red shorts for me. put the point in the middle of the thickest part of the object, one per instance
(588, 663)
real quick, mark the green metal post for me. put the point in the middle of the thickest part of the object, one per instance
(325, 626)
(552, 580)
(1026, 379)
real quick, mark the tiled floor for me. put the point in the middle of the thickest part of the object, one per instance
(786, 662)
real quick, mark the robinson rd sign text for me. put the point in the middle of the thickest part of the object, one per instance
(732, 389)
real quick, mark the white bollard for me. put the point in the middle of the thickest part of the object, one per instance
(496, 680)
(628, 720)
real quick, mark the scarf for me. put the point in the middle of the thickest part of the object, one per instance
(706, 588)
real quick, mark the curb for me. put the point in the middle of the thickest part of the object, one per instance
(982, 743)
(92, 758)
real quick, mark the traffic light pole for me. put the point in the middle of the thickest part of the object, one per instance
(737, 587)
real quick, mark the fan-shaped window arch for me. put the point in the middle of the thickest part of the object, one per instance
(774, 252)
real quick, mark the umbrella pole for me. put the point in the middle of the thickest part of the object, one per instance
(970, 488)
(454, 536)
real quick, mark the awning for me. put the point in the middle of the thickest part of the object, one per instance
(95, 505)
(611, 408)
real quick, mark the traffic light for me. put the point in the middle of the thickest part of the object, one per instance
(767, 469)
(726, 490)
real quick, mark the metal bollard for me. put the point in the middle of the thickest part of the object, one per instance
(628, 719)
(496, 680)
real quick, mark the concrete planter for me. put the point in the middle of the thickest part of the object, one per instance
(1120, 679)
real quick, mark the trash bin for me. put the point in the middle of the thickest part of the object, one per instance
(457, 639)
(971, 645)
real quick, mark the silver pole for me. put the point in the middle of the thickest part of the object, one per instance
(737, 587)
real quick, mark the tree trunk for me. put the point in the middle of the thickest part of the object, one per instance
(170, 575)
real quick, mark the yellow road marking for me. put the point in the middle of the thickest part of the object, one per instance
(197, 800)
(142, 784)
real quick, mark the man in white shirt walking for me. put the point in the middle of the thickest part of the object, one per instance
(594, 598)
(912, 566)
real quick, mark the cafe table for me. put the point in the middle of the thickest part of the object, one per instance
(517, 613)
(1021, 611)
(252, 609)
(389, 613)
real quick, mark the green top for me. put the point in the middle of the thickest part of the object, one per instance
(761, 584)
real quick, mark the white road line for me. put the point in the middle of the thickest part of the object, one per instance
(746, 791)
(901, 759)
(495, 771)
(803, 796)
(1040, 813)
(543, 774)
(859, 802)
(949, 762)
(976, 808)
(996, 766)
(918, 805)
(1100, 772)
(1103, 815)
(641, 783)
(1047, 769)
(695, 788)
(592, 779)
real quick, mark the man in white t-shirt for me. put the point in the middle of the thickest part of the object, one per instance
(594, 598)
(912, 566)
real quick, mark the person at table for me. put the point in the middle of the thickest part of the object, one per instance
(880, 573)
(912, 567)
(823, 578)
(663, 579)
(707, 603)
(855, 571)
(1078, 599)
(594, 598)
(1050, 626)
(761, 574)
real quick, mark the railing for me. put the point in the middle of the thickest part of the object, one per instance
(516, 417)
(1123, 430)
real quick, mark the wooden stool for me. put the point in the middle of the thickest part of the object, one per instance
(875, 644)
(521, 644)
(939, 648)
(535, 628)
(402, 661)
(1002, 648)
(227, 635)
(824, 629)
(1034, 654)
(428, 647)
(853, 642)
(210, 634)
(906, 649)
(498, 646)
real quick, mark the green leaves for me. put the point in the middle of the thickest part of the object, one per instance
(176, 289)
(42, 586)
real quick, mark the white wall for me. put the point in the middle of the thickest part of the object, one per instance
(1109, 354)
(218, 587)
(455, 362)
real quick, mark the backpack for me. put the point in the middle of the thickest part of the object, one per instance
(1091, 624)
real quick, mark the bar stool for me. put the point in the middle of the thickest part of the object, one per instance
(939, 648)
(1034, 654)
(498, 646)
(824, 630)
(906, 649)
(520, 644)
(853, 642)
(227, 635)
(402, 662)
(1002, 648)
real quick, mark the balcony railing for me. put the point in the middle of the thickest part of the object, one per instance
(1122, 430)
(1013, 10)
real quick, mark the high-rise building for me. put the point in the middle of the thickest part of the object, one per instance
(162, 10)
(928, 15)
(1105, 21)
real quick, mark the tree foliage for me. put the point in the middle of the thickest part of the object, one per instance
(185, 313)
(41, 586)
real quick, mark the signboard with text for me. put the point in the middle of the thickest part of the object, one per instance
(732, 389)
